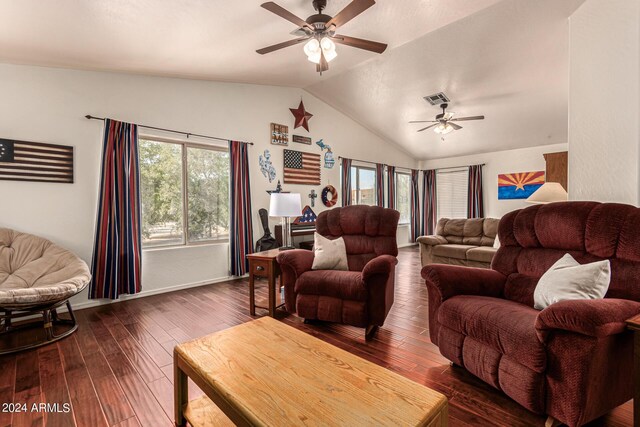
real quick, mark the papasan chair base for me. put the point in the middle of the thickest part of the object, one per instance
(28, 334)
(37, 277)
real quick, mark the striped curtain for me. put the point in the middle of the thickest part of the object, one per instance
(117, 247)
(391, 187)
(241, 232)
(380, 184)
(415, 206)
(346, 182)
(429, 216)
(475, 202)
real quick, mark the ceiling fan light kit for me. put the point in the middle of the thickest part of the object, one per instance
(314, 50)
(443, 128)
(319, 32)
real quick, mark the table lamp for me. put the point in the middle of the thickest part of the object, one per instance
(549, 192)
(286, 206)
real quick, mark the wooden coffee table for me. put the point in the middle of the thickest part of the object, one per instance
(267, 373)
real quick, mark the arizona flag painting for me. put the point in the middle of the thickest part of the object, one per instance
(519, 185)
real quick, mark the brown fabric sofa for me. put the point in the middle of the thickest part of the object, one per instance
(361, 296)
(467, 242)
(573, 360)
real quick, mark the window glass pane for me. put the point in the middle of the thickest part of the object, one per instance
(367, 186)
(208, 194)
(403, 194)
(451, 187)
(354, 185)
(161, 193)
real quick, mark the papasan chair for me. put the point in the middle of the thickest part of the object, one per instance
(36, 277)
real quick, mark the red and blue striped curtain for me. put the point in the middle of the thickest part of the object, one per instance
(430, 213)
(241, 227)
(475, 202)
(117, 247)
(415, 206)
(391, 187)
(346, 182)
(380, 184)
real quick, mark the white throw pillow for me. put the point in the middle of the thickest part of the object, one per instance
(329, 254)
(496, 243)
(567, 279)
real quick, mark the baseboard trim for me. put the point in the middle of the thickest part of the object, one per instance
(105, 301)
(406, 245)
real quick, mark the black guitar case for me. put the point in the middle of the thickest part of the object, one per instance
(267, 241)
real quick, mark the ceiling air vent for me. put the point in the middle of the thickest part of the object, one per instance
(437, 99)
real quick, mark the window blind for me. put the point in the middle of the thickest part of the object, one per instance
(452, 187)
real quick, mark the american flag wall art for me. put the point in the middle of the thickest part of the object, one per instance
(35, 161)
(301, 168)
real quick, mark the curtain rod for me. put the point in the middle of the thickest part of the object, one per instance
(188, 134)
(374, 163)
(458, 167)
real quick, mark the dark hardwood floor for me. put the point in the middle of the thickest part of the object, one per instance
(116, 370)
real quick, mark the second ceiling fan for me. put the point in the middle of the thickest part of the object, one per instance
(444, 122)
(320, 32)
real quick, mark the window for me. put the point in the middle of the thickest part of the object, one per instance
(403, 196)
(451, 188)
(363, 186)
(184, 191)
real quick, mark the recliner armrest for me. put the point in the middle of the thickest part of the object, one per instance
(298, 260)
(382, 264)
(452, 280)
(596, 318)
(433, 240)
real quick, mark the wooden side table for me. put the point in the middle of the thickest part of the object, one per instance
(634, 325)
(264, 264)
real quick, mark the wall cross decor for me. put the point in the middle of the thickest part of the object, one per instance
(313, 196)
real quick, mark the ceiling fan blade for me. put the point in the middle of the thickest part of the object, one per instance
(455, 126)
(360, 43)
(353, 9)
(460, 119)
(428, 127)
(284, 13)
(424, 121)
(282, 45)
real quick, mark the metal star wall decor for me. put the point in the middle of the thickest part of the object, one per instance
(302, 116)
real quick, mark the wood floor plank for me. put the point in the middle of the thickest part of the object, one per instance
(113, 400)
(146, 407)
(54, 388)
(7, 386)
(27, 390)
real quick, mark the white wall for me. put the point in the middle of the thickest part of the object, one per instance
(48, 105)
(604, 101)
(509, 161)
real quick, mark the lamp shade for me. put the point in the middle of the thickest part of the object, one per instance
(285, 205)
(549, 192)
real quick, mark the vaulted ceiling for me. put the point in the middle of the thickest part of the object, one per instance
(505, 59)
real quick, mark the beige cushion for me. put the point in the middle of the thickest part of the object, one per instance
(472, 231)
(569, 280)
(452, 251)
(34, 271)
(329, 254)
(481, 254)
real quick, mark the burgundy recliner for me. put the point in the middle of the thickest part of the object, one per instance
(572, 361)
(361, 296)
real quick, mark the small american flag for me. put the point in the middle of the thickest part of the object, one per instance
(35, 161)
(301, 168)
